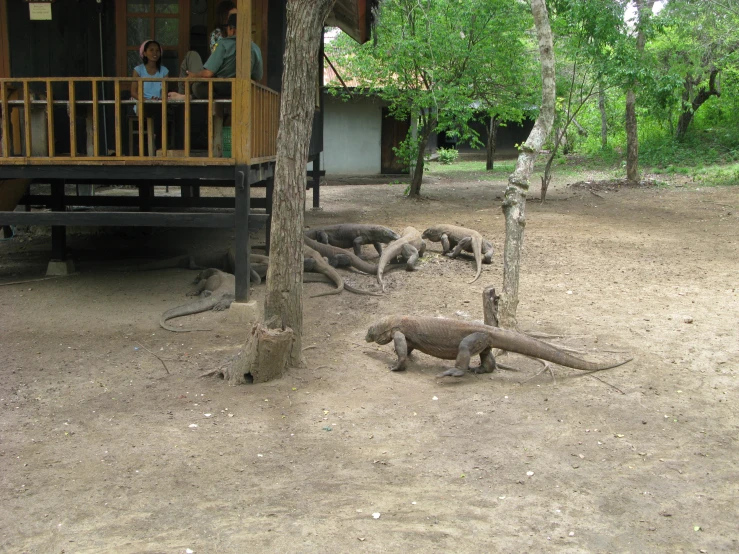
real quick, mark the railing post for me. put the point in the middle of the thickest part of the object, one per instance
(242, 256)
(165, 123)
(72, 110)
(5, 120)
(50, 117)
(27, 118)
(95, 120)
(118, 131)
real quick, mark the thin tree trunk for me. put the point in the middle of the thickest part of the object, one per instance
(514, 203)
(492, 128)
(689, 111)
(632, 132)
(632, 138)
(603, 116)
(283, 303)
(417, 179)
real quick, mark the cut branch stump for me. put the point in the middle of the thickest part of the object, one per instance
(264, 357)
(490, 306)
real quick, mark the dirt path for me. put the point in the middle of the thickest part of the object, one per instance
(102, 450)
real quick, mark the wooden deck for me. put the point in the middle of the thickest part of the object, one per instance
(29, 123)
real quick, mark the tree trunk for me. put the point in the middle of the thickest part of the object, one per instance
(417, 179)
(514, 203)
(603, 116)
(689, 111)
(492, 128)
(632, 134)
(632, 138)
(283, 303)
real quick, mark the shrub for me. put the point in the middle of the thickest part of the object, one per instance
(447, 155)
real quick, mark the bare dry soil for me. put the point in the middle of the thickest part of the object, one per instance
(103, 449)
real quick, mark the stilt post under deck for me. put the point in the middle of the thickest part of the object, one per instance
(316, 173)
(242, 254)
(58, 232)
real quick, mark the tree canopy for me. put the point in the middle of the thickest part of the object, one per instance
(441, 62)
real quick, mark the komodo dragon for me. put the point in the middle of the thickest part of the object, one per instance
(451, 339)
(322, 266)
(410, 246)
(217, 289)
(455, 239)
(348, 235)
(338, 257)
(217, 292)
(225, 261)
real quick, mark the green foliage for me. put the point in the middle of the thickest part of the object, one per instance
(448, 156)
(443, 62)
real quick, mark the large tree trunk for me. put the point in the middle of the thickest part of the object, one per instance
(689, 108)
(632, 134)
(417, 179)
(492, 128)
(514, 203)
(283, 303)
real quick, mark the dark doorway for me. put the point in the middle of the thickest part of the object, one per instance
(394, 132)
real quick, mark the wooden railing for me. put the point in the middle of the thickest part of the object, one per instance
(28, 129)
(265, 117)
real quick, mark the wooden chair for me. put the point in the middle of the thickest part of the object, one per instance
(133, 129)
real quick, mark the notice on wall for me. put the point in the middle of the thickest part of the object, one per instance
(40, 11)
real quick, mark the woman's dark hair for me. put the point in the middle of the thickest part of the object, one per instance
(161, 53)
(222, 11)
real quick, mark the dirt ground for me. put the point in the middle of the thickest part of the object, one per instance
(103, 450)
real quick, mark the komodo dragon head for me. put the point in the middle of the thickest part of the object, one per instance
(386, 235)
(382, 331)
(433, 234)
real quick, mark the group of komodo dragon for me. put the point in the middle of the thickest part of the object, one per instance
(326, 248)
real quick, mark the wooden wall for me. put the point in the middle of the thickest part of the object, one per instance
(66, 46)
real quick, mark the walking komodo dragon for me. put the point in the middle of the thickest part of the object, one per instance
(454, 239)
(451, 339)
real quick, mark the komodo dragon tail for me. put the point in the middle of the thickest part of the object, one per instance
(322, 278)
(201, 305)
(520, 343)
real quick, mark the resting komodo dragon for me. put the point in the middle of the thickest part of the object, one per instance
(348, 235)
(322, 266)
(455, 239)
(410, 246)
(338, 257)
(451, 339)
(217, 291)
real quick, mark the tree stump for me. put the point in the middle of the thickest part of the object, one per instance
(490, 306)
(264, 356)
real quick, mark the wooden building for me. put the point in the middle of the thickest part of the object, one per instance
(66, 115)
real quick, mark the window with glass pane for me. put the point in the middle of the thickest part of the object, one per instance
(166, 6)
(137, 30)
(137, 6)
(167, 30)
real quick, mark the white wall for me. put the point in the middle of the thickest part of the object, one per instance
(351, 136)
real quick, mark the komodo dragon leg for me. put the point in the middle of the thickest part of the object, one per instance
(471, 345)
(461, 245)
(445, 247)
(401, 349)
(410, 253)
